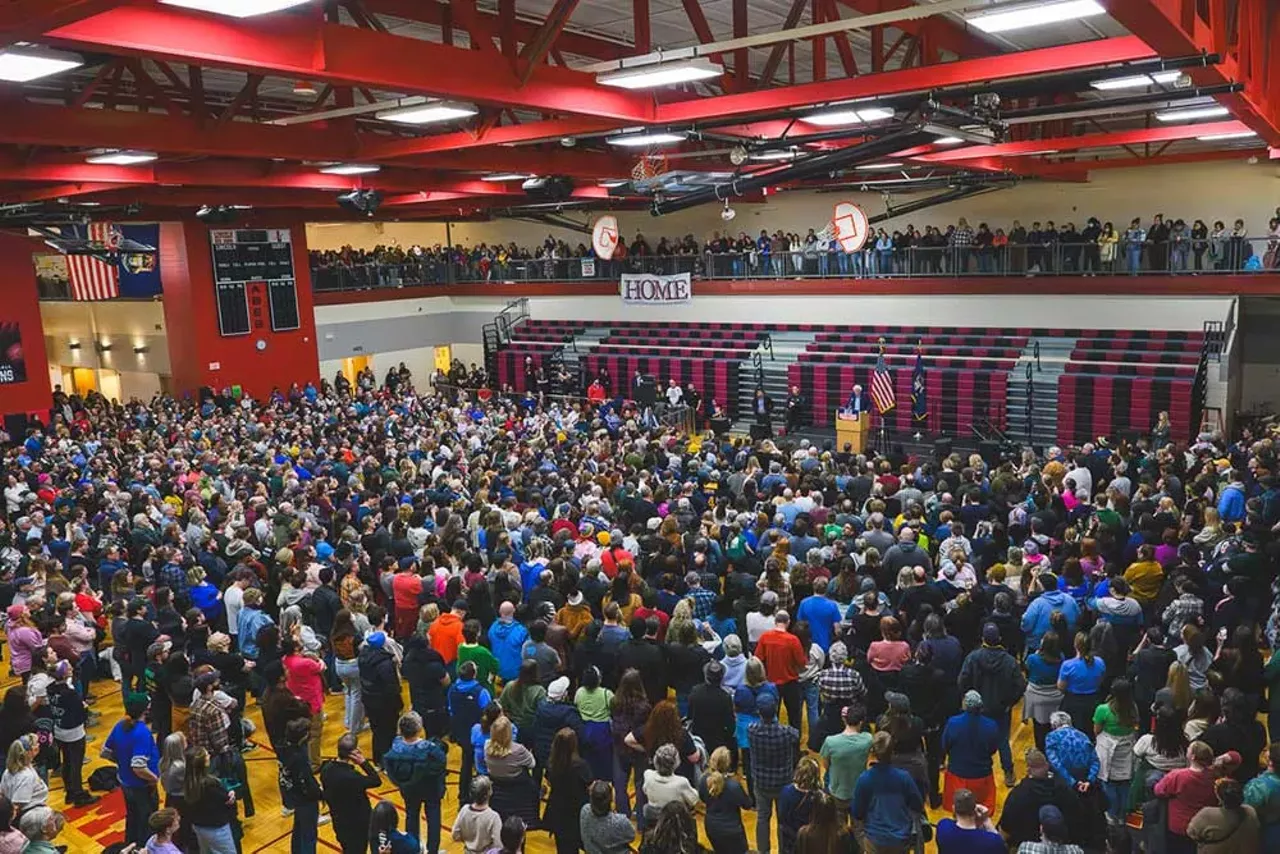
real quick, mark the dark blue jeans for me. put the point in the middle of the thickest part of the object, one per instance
(414, 807)
(139, 803)
(306, 821)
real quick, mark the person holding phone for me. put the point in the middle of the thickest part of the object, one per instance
(971, 831)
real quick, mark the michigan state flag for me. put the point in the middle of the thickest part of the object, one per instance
(919, 399)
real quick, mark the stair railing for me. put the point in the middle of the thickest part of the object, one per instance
(1031, 397)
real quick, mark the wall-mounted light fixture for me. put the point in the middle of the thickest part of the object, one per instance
(140, 350)
(73, 345)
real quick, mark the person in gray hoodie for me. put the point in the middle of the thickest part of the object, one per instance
(906, 552)
(735, 664)
(995, 674)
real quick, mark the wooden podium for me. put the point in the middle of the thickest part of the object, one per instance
(851, 430)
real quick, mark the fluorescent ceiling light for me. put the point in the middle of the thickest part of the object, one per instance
(121, 158)
(506, 176)
(1191, 113)
(661, 74)
(639, 140)
(1218, 137)
(948, 140)
(424, 114)
(1035, 15)
(780, 154)
(1136, 81)
(23, 64)
(849, 116)
(615, 182)
(887, 165)
(236, 8)
(350, 169)
(1031, 153)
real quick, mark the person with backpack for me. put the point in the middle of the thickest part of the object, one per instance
(428, 679)
(416, 763)
(346, 781)
(467, 699)
(299, 790)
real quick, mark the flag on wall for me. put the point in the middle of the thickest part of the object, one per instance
(92, 278)
(882, 393)
(919, 390)
(132, 276)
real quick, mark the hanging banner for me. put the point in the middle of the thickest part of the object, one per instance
(647, 289)
(13, 365)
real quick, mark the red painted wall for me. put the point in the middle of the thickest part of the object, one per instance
(198, 354)
(20, 303)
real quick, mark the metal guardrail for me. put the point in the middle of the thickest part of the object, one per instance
(1047, 259)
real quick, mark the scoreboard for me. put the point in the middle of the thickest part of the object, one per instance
(255, 281)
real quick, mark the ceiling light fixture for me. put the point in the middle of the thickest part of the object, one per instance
(236, 8)
(1219, 137)
(506, 176)
(121, 158)
(948, 140)
(640, 140)
(1031, 153)
(351, 169)
(1136, 81)
(614, 182)
(661, 74)
(886, 165)
(23, 64)
(848, 116)
(425, 114)
(1035, 15)
(1192, 113)
(305, 88)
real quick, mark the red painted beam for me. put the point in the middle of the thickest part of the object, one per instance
(1083, 141)
(1174, 159)
(1007, 66)
(59, 191)
(1163, 25)
(294, 46)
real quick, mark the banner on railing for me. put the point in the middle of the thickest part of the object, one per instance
(652, 289)
(588, 267)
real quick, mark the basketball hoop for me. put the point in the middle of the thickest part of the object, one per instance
(650, 166)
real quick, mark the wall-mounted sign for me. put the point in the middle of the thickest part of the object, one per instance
(13, 364)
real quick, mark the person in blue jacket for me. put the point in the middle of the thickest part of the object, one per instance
(1231, 502)
(506, 639)
(886, 800)
(969, 740)
(1035, 622)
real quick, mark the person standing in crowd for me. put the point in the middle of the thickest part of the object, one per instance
(346, 782)
(299, 790)
(379, 691)
(887, 801)
(416, 763)
(993, 674)
(971, 831)
(969, 741)
(783, 658)
(774, 752)
(132, 747)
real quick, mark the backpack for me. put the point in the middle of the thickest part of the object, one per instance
(413, 773)
(464, 712)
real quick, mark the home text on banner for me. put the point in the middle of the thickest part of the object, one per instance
(646, 289)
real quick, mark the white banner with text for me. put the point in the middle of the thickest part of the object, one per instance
(652, 289)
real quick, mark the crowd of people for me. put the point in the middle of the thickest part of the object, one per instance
(629, 636)
(1160, 246)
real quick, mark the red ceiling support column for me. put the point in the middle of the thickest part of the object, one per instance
(24, 383)
(198, 354)
(818, 46)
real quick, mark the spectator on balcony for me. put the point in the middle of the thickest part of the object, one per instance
(961, 240)
(1158, 235)
(1108, 241)
(1091, 257)
(1134, 237)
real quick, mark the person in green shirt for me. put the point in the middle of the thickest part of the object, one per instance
(1263, 794)
(1115, 724)
(472, 650)
(845, 756)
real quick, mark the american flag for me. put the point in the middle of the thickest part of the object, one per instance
(91, 278)
(882, 393)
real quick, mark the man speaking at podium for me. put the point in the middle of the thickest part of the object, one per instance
(857, 404)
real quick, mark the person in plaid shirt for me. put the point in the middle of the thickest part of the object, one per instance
(840, 685)
(704, 601)
(774, 754)
(1053, 835)
(174, 576)
(1187, 609)
(209, 726)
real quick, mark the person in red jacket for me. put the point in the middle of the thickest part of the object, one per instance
(445, 634)
(783, 658)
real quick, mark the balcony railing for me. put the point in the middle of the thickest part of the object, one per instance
(1232, 256)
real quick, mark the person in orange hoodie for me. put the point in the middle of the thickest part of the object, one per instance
(445, 634)
(783, 658)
